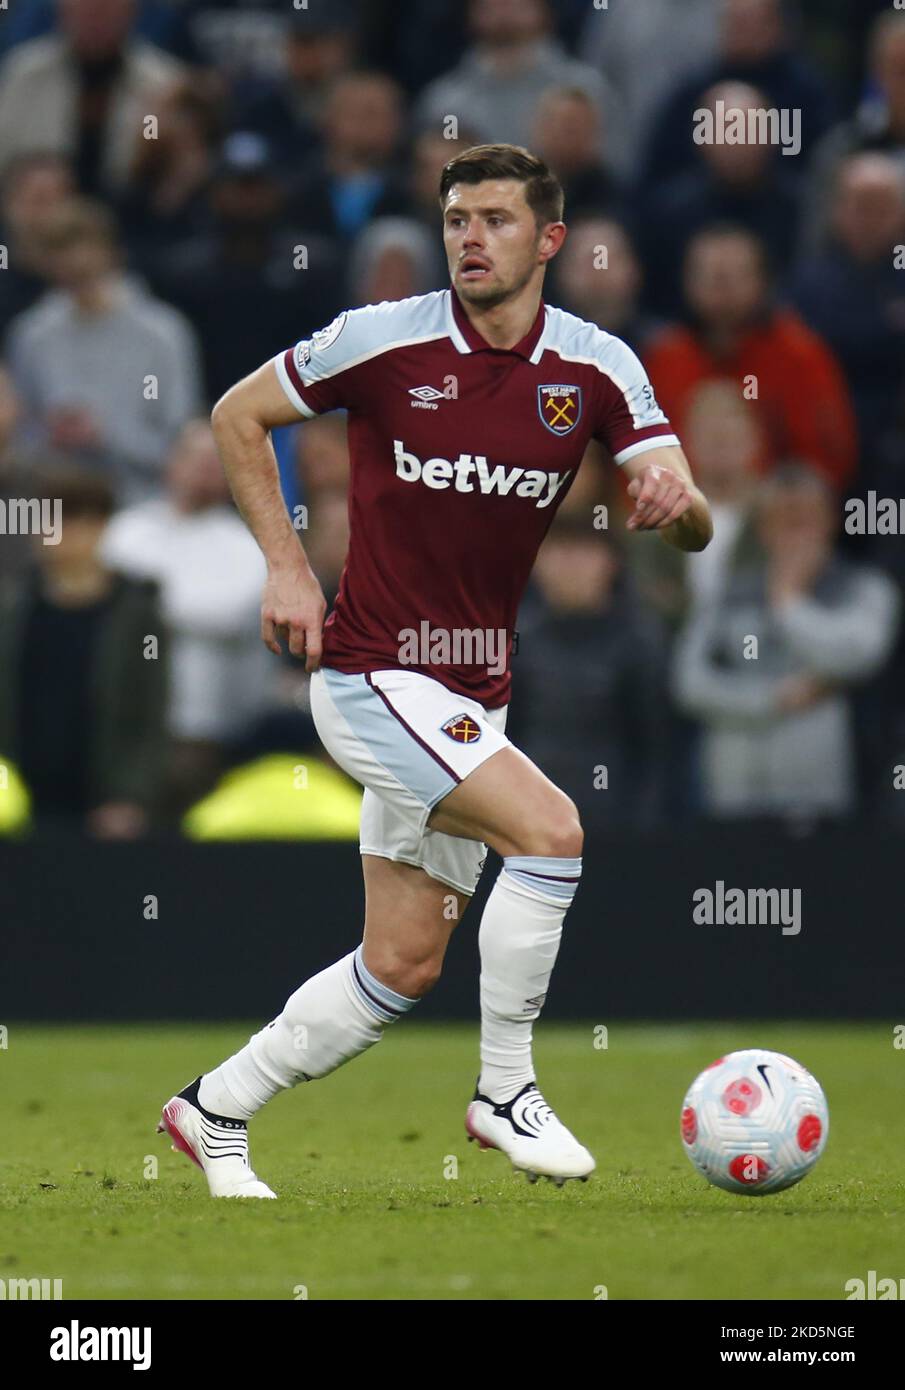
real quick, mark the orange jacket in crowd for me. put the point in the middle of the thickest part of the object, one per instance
(802, 399)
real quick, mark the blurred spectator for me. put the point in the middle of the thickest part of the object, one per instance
(739, 183)
(755, 46)
(327, 540)
(598, 276)
(836, 35)
(107, 374)
(165, 200)
(322, 452)
(210, 572)
(414, 41)
(10, 411)
(159, 21)
(589, 680)
(593, 488)
(357, 174)
(724, 445)
(286, 723)
(86, 90)
(241, 38)
(511, 61)
(322, 462)
(32, 189)
(878, 125)
(644, 50)
(854, 297)
(287, 109)
(393, 258)
(431, 152)
(81, 708)
(241, 283)
(735, 332)
(778, 731)
(567, 137)
(16, 480)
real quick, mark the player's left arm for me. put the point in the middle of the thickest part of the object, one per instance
(666, 498)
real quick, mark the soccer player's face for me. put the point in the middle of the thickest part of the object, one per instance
(491, 239)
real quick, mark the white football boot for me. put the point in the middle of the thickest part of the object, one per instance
(528, 1132)
(218, 1145)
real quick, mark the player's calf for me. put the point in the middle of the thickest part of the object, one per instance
(331, 1018)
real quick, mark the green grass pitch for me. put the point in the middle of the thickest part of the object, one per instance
(90, 1194)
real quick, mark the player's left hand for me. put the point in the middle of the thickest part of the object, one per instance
(661, 497)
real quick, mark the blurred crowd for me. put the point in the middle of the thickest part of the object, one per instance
(189, 186)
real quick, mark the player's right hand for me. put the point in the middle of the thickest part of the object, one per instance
(293, 607)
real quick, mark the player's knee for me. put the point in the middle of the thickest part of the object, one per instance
(410, 976)
(422, 978)
(559, 834)
(567, 836)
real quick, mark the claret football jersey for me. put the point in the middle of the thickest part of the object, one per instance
(460, 456)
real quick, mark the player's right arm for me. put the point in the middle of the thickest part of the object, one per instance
(293, 604)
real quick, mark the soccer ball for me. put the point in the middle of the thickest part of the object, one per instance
(754, 1122)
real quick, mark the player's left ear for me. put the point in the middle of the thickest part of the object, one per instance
(551, 239)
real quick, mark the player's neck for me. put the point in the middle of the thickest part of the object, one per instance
(504, 325)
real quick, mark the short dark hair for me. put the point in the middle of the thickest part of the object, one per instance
(80, 491)
(796, 475)
(725, 230)
(543, 190)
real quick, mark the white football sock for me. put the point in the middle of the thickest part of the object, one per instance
(330, 1019)
(519, 938)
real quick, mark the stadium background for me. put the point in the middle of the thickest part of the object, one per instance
(290, 172)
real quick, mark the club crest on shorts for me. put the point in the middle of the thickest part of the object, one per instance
(462, 729)
(559, 407)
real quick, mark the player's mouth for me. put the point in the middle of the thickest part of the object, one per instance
(473, 268)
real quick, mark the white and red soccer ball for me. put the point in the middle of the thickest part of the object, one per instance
(754, 1122)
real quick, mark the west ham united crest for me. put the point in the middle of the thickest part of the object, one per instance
(462, 729)
(326, 337)
(559, 407)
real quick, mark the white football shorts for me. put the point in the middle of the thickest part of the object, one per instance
(408, 741)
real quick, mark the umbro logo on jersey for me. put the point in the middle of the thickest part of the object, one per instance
(426, 397)
(559, 407)
(462, 729)
(470, 473)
